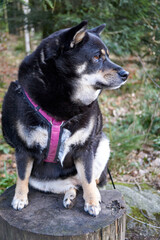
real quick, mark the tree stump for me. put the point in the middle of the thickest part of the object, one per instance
(45, 218)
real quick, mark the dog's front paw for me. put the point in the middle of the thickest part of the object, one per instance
(68, 202)
(19, 204)
(93, 210)
(92, 202)
(69, 198)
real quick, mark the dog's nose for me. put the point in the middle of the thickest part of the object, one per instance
(123, 74)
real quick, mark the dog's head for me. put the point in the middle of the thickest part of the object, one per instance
(78, 58)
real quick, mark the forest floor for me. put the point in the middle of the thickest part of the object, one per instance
(131, 118)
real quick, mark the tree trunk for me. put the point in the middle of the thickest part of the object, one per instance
(45, 218)
(26, 10)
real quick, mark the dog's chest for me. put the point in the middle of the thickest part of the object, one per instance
(57, 139)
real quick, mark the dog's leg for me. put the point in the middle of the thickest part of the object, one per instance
(91, 193)
(20, 199)
(101, 158)
(69, 198)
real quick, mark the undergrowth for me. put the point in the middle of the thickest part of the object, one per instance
(7, 180)
(4, 147)
(138, 126)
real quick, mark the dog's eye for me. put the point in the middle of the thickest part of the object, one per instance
(96, 58)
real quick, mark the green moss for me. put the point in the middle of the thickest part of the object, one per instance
(125, 184)
(145, 186)
(157, 216)
(137, 214)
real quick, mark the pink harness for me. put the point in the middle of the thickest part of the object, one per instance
(55, 132)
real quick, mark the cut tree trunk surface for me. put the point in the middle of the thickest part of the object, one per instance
(45, 218)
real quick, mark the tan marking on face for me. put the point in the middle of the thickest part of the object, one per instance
(103, 52)
(84, 90)
(109, 73)
(81, 68)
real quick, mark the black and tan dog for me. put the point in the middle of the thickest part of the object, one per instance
(52, 118)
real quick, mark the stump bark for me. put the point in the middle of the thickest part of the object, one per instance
(45, 218)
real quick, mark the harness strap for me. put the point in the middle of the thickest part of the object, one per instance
(111, 178)
(55, 131)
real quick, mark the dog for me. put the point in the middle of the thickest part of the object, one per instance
(51, 116)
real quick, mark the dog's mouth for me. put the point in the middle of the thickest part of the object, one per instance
(112, 81)
(109, 86)
(100, 86)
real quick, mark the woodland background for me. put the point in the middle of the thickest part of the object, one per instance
(131, 113)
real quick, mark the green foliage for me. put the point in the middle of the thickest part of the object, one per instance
(4, 147)
(157, 143)
(131, 25)
(48, 3)
(8, 180)
(1, 82)
(20, 47)
(126, 135)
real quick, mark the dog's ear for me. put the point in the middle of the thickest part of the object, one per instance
(97, 30)
(74, 35)
(78, 33)
(66, 39)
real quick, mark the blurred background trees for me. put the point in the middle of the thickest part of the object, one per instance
(131, 25)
